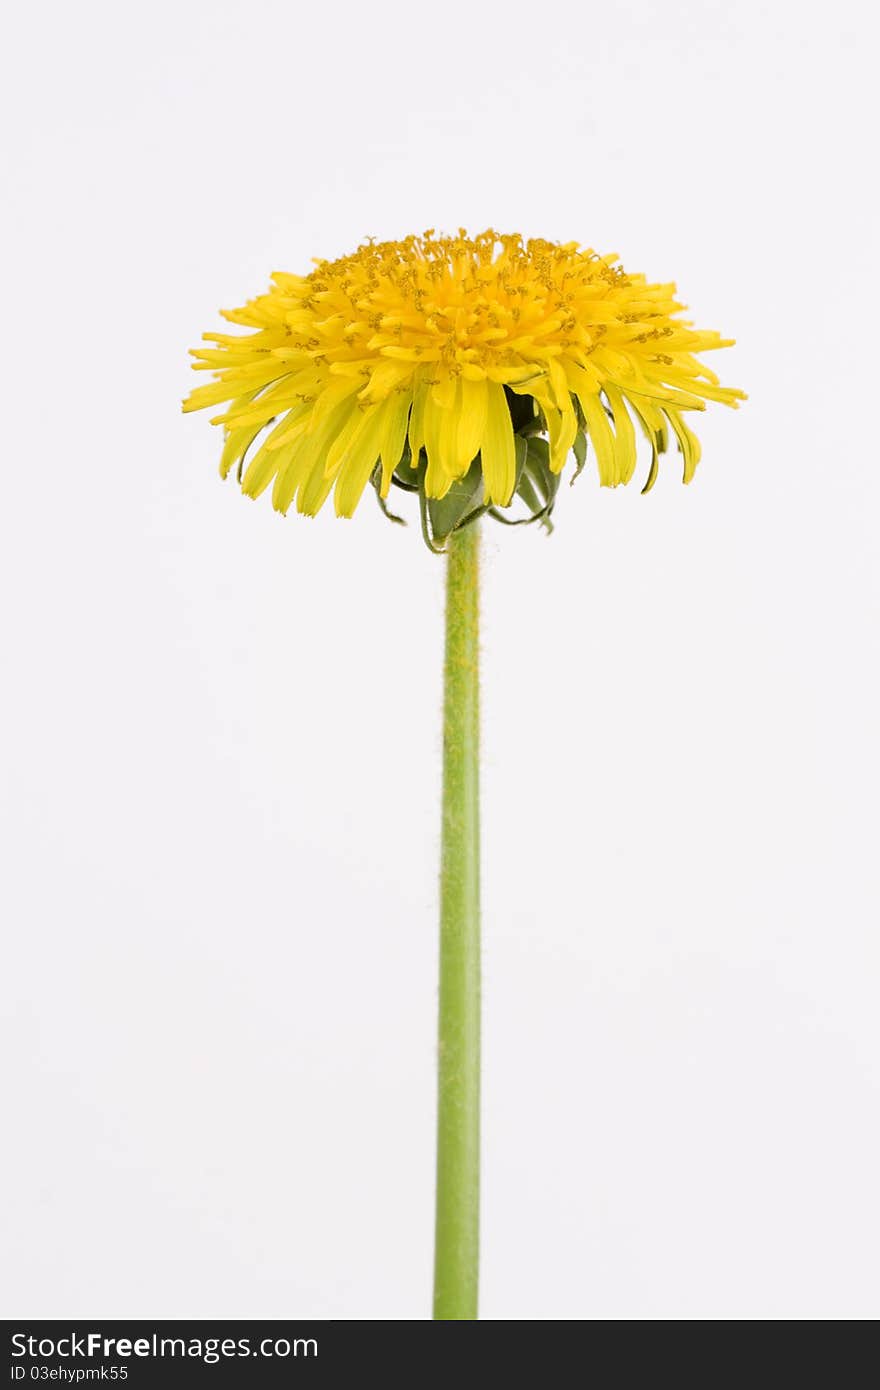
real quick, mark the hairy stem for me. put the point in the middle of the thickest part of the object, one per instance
(456, 1258)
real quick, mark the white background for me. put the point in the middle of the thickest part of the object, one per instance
(221, 729)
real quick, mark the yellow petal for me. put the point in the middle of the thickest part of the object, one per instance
(391, 440)
(687, 442)
(441, 429)
(472, 407)
(267, 461)
(559, 384)
(295, 423)
(654, 427)
(437, 480)
(237, 444)
(346, 438)
(264, 406)
(314, 490)
(602, 437)
(417, 422)
(384, 378)
(582, 378)
(498, 451)
(265, 466)
(443, 392)
(309, 456)
(624, 434)
(652, 419)
(332, 395)
(296, 462)
(238, 441)
(232, 387)
(358, 463)
(562, 427)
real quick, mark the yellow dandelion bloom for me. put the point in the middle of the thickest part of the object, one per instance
(470, 366)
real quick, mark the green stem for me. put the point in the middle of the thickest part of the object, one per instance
(456, 1255)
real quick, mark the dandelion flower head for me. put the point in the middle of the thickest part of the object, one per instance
(463, 368)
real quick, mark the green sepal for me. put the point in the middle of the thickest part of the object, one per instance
(427, 535)
(538, 454)
(538, 467)
(526, 491)
(545, 480)
(465, 496)
(405, 475)
(579, 449)
(521, 448)
(537, 486)
(376, 480)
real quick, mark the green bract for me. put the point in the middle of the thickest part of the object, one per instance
(533, 498)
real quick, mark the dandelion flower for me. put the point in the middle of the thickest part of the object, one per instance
(475, 366)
